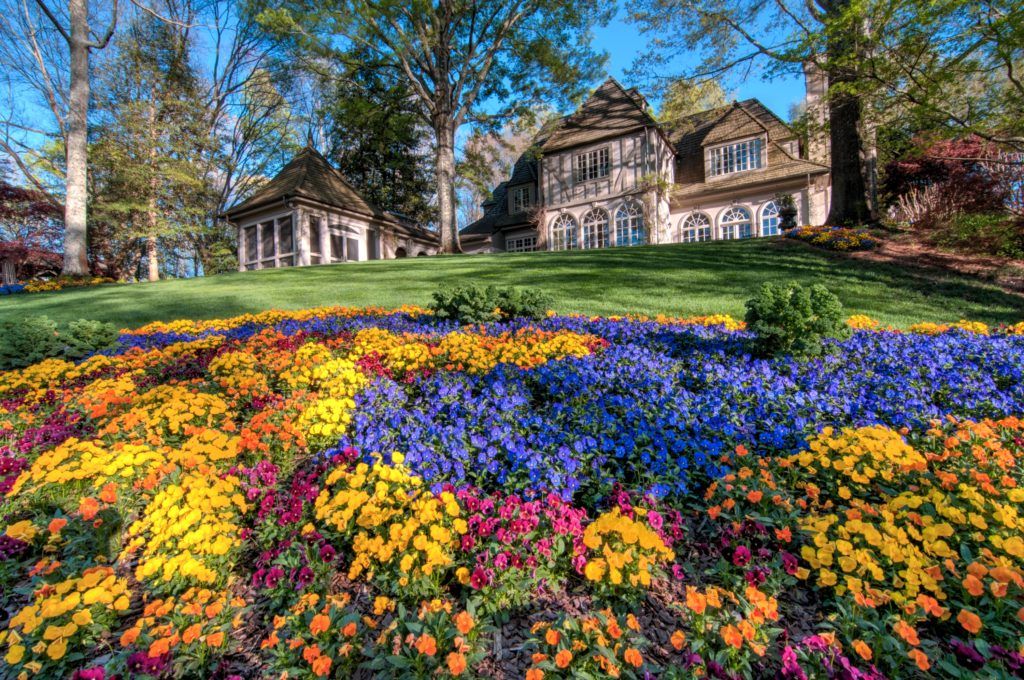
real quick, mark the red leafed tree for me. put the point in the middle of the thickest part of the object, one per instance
(31, 228)
(948, 177)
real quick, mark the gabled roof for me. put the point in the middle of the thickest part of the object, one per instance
(311, 176)
(496, 215)
(731, 122)
(610, 111)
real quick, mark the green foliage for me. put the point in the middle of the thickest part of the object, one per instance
(473, 304)
(992, 234)
(375, 136)
(84, 337)
(26, 341)
(684, 97)
(791, 319)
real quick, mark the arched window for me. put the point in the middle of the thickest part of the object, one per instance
(563, 233)
(629, 225)
(400, 252)
(596, 229)
(770, 219)
(695, 227)
(735, 223)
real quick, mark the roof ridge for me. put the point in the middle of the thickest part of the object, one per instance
(305, 167)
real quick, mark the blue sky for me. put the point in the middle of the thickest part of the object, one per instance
(623, 43)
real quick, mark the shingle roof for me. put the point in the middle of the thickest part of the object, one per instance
(609, 112)
(496, 215)
(309, 175)
(733, 121)
(525, 169)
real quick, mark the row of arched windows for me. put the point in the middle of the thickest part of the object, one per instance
(596, 231)
(734, 222)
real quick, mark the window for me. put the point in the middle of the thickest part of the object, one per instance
(629, 225)
(520, 199)
(695, 227)
(770, 219)
(337, 246)
(735, 223)
(314, 240)
(285, 243)
(596, 231)
(267, 245)
(251, 247)
(351, 249)
(521, 244)
(591, 165)
(563, 233)
(735, 157)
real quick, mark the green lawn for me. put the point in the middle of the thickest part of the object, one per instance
(679, 280)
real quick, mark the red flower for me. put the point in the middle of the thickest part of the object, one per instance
(741, 556)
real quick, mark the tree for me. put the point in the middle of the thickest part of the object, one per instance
(79, 37)
(375, 138)
(488, 157)
(834, 36)
(464, 61)
(153, 138)
(30, 229)
(684, 97)
(954, 67)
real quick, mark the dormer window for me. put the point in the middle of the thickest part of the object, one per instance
(735, 157)
(520, 199)
(591, 165)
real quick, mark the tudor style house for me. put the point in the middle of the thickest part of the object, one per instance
(308, 214)
(611, 175)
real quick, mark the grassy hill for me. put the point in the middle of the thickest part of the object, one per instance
(678, 280)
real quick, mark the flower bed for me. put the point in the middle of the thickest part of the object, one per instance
(56, 283)
(843, 239)
(341, 492)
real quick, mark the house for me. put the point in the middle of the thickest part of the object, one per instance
(308, 214)
(610, 174)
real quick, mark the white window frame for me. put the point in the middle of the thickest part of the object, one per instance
(732, 226)
(742, 155)
(629, 225)
(564, 232)
(521, 244)
(597, 226)
(521, 199)
(695, 228)
(592, 165)
(770, 219)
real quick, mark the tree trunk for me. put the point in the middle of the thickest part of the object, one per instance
(152, 259)
(444, 130)
(154, 184)
(849, 192)
(75, 235)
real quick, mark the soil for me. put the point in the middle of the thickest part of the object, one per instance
(910, 250)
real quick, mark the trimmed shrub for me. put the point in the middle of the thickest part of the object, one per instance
(30, 340)
(26, 341)
(474, 304)
(791, 319)
(85, 337)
